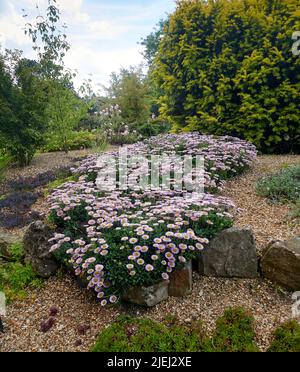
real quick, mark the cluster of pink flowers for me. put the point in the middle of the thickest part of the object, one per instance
(125, 235)
(224, 156)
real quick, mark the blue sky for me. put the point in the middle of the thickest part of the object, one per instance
(103, 33)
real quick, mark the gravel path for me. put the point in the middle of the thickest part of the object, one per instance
(42, 163)
(210, 297)
(268, 221)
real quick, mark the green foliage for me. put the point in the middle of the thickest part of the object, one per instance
(234, 333)
(75, 141)
(151, 42)
(5, 160)
(286, 338)
(38, 96)
(22, 108)
(227, 67)
(65, 106)
(117, 258)
(295, 212)
(283, 186)
(129, 90)
(64, 111)
(144, 335)
(16, 251)
(49, 40)
(153, 127)
(16, 277)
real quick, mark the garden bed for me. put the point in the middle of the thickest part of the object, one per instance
(209, 298)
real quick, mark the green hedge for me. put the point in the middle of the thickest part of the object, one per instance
(226, 67)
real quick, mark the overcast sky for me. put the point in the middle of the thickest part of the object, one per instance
(103, 33)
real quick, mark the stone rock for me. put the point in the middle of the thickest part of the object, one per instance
(231, 254)
(181, 281)
(6, 240)
(281, 263)
(36, 247)
(147, 296)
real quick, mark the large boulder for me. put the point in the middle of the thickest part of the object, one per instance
(6, 241)
(281, 263)
(147, 296)
(36, 248)
(231, 254)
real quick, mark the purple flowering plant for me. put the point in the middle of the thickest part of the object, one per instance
(120, 239)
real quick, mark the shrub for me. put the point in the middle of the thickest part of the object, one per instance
(226, 67)
(117, 130)
(16, 277)
(144, 335)
(234, 333)
(75, 141)
(22, 107)
(282, 186)
(19, 200)
(286, 338)
(153, 127)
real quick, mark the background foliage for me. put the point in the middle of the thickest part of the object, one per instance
(226, 67)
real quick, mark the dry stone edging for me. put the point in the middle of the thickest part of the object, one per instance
(181, 281)
(147, 296)
(280, 263)
(231, 254)
(37, 247)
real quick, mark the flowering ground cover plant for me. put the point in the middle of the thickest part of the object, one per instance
(224, 157)
(120, 239)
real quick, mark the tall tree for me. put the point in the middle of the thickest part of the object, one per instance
(65, 106)
(227, 67)
(152, 41)
(129, 89)
(22, 108)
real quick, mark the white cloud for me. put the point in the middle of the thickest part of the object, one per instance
(106, 30)
(10, 25)
(103, 33)
(101, 62)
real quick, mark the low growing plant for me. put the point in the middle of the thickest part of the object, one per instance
(283, 186)
(16, 277)
(120, 239)
(234, 333)
(145, 335)
(286, 338)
